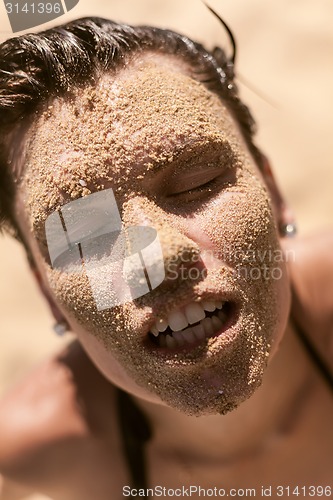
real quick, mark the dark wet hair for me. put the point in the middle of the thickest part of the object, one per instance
(37, 67)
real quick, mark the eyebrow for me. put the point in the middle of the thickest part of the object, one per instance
(191, 153)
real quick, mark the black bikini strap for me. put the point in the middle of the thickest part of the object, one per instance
(310, 347)
(135, 432)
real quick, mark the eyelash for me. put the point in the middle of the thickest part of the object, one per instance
(200, 189)
(208, 184)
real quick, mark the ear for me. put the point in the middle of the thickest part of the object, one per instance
(284, 215)
(57, 314)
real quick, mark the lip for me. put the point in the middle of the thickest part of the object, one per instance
(232, 298)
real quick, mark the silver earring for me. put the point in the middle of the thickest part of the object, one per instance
(60, 328)
(289, 230)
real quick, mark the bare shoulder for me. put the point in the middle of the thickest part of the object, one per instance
(311, 266)
(62, 410)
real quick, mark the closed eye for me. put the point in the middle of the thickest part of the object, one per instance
(203, 186)
(192, 181)
(198, 189)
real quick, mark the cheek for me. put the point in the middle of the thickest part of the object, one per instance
(240, 224)
(113, 327)
(72, 291)
(242, 231)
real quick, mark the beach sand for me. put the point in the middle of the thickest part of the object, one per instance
(285, 52)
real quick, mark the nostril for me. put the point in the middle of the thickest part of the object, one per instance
(185, 268)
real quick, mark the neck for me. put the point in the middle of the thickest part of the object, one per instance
(245, 429)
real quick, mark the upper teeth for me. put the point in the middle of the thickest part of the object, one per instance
(179, 320)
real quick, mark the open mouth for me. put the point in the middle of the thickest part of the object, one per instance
(192, 324)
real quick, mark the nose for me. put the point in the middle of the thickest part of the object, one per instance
(181, 254)
(182, 259)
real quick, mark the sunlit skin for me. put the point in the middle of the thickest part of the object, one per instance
(244, 425)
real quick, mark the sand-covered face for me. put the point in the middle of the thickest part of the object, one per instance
(172, 154)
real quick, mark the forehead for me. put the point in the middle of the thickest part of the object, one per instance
(137, 119)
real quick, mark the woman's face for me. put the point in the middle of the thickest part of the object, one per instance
(175, 161)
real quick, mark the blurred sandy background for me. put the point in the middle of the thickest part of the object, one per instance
(286, 52)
